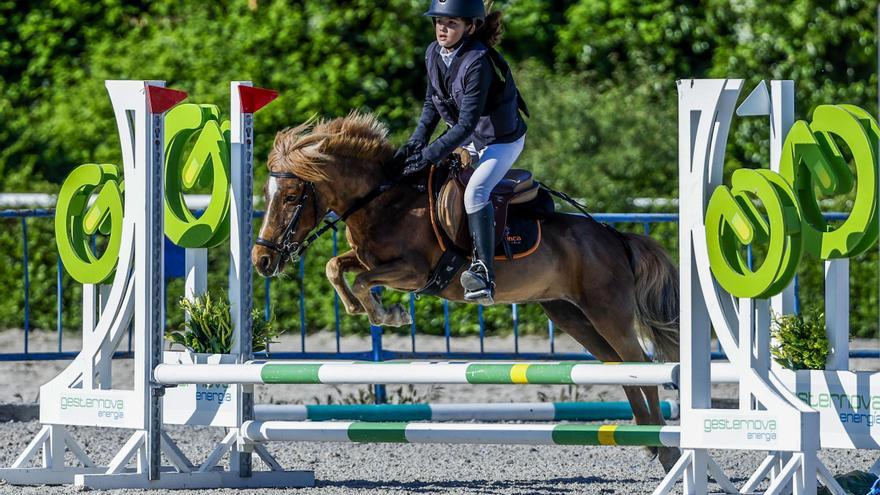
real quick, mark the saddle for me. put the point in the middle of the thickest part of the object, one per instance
(520, 204)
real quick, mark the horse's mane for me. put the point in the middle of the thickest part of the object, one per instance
(307, 149)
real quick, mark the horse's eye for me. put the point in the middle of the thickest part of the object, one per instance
(289, 199)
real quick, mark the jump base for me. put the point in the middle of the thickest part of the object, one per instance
(97, 479)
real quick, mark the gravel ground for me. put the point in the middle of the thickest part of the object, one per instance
(420, 469)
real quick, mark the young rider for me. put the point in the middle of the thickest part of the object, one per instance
(471, 88)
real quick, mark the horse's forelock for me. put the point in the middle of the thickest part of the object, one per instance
(307, 149)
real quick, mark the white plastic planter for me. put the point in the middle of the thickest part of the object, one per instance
(213, 405)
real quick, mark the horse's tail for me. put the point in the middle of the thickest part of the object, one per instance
(656, 297)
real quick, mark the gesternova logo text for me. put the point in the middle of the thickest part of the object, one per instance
(841, 401)
(105, 408)
(754, 429)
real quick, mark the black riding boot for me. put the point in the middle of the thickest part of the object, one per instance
(479, 280)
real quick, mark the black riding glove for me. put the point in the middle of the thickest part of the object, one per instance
(415, 163)
(408, 149)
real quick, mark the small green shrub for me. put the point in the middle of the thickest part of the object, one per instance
(210, 326)
(801, 341)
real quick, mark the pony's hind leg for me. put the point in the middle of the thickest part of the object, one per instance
(616, 325)
(645, 401)
(574, 322)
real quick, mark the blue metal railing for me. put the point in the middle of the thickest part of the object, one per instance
(377, 352)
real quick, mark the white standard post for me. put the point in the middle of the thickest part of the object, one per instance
(695, 380)
(781, 120)
(152, 271)
(747, 312)
(240, 240)
(105, 370)
(90, 321)
(196, 272)
(837, 314)
(196, 282)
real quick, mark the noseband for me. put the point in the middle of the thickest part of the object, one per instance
(286, 246)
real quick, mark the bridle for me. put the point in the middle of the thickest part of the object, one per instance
(286, 246)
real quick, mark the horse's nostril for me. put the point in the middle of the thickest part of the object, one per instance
(264, 262)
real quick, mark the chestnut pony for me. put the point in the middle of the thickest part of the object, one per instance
(600, 286)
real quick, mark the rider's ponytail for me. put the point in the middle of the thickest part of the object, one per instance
(491, 30)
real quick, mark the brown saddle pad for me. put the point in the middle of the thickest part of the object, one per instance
(522, 236)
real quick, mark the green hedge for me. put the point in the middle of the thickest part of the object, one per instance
(599, 78)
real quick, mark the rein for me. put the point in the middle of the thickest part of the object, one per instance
(291, 249)
(568, 199)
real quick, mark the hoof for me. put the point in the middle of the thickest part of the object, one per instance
(395, 316)
(668, 457)
(398, 316)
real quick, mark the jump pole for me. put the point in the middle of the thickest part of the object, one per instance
(491, 412)
(586, 373)
(460, 433)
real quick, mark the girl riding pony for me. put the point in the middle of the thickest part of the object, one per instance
(470, 87)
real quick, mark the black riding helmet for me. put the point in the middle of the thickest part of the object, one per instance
(468, 9)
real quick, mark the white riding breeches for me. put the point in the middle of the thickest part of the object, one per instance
(495, 160)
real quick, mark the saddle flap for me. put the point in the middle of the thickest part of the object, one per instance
(522, 234)
(453, 219)
(450, 213)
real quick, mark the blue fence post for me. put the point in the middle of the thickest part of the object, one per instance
(336, 323)
(412, 314)
(27, 285)
(482, 327)
(446, 329)
(58, 294)
(515, 311)
(376, 337)
(267, 302)
(302, 303)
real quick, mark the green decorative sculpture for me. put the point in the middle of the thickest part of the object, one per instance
(206, 164)
(197, 156)
(76, 222)
(811, 160)
(732, 221)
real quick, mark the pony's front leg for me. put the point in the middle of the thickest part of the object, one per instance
(400, 273)
(336, 269)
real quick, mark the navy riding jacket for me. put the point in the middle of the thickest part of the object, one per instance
(475, 103)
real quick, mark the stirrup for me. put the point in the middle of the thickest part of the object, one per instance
(483, 297)
(478, 287)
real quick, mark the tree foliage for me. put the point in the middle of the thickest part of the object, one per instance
(599, 78)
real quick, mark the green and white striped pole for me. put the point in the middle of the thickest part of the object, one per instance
(460, 433)
(513, 411)
(568, 373)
